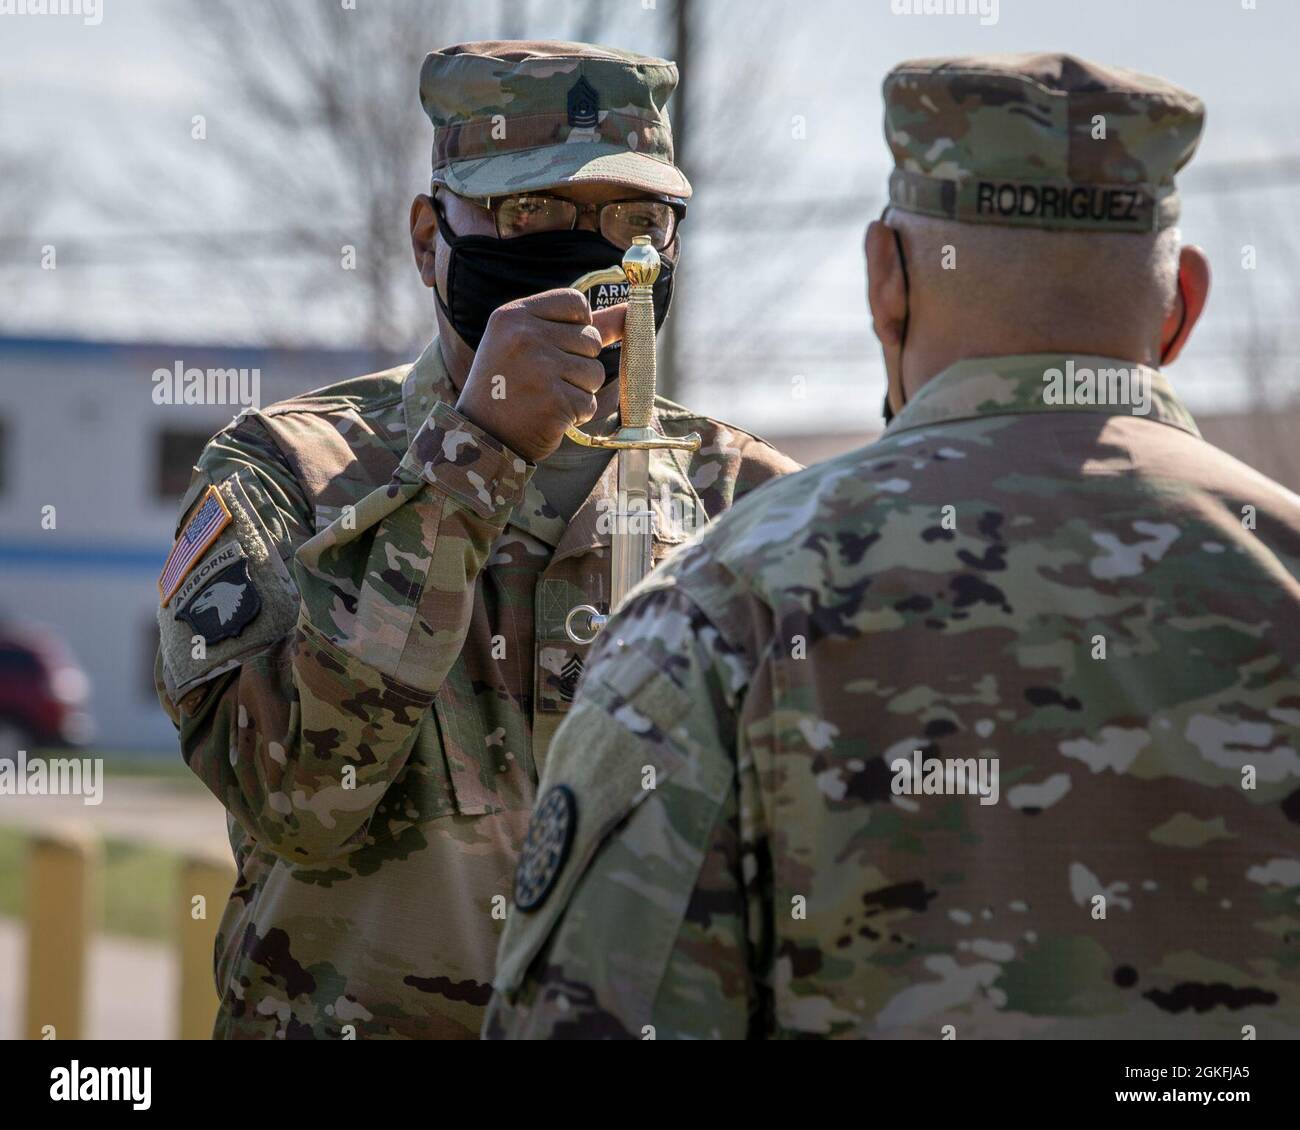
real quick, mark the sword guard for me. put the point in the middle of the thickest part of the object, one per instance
(631, 438)
(606, 276)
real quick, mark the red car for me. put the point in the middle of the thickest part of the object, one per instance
(43, 692)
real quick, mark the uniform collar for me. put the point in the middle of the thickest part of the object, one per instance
(1030, 382)
(677, 505)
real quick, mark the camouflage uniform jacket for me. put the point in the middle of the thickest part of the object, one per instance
(376, 729)
(1102, 602)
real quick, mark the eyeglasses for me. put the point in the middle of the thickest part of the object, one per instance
(619, 221)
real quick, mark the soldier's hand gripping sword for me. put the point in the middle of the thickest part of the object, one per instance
(632, 518)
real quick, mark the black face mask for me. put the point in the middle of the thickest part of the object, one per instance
(485, 273)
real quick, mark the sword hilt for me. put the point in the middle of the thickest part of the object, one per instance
(636, 367)
(629, 549)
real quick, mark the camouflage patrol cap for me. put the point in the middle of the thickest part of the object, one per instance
(1048, 141)
(513, 116)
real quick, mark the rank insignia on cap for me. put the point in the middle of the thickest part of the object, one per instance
(584, 105)
(203, 528)
(223, 607)
(546, 847)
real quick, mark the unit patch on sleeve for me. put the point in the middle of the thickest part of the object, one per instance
(237, 596)
(207, 569)
(227, 603)
(204, 527)
(546, 847)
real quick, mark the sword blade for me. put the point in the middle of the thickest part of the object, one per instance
(630, 538)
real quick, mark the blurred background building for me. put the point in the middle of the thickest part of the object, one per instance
(108, 479)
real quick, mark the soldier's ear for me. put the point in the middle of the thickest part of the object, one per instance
(886, 286)
(1193, 291)
(424, 236)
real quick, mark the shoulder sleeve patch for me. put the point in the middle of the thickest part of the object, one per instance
(546, 847)
(232, 598)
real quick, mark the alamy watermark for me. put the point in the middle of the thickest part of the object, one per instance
(1129, 386)
(946, 776)
(76, 1083)
(986, 10)
(179, 385)
(675, 516)
(90, 11)
(54, 776)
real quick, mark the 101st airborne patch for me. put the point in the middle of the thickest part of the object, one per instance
(226, 604)
(546, 847)
(204, 527)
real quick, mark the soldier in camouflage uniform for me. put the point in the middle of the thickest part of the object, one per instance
(988, 729)
(361, 623)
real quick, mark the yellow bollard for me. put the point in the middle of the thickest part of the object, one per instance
(62, 908)
(204, 889)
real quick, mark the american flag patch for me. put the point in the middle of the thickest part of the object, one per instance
(200, 531)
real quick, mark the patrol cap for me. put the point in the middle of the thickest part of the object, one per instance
(513, 116)
(1047, 140)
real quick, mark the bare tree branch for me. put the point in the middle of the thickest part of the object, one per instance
(320, 125)
(27, 176)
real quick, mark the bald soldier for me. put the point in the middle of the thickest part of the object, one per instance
(362, 619)
(988, 729)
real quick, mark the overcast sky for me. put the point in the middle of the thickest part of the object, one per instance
(88, 98)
